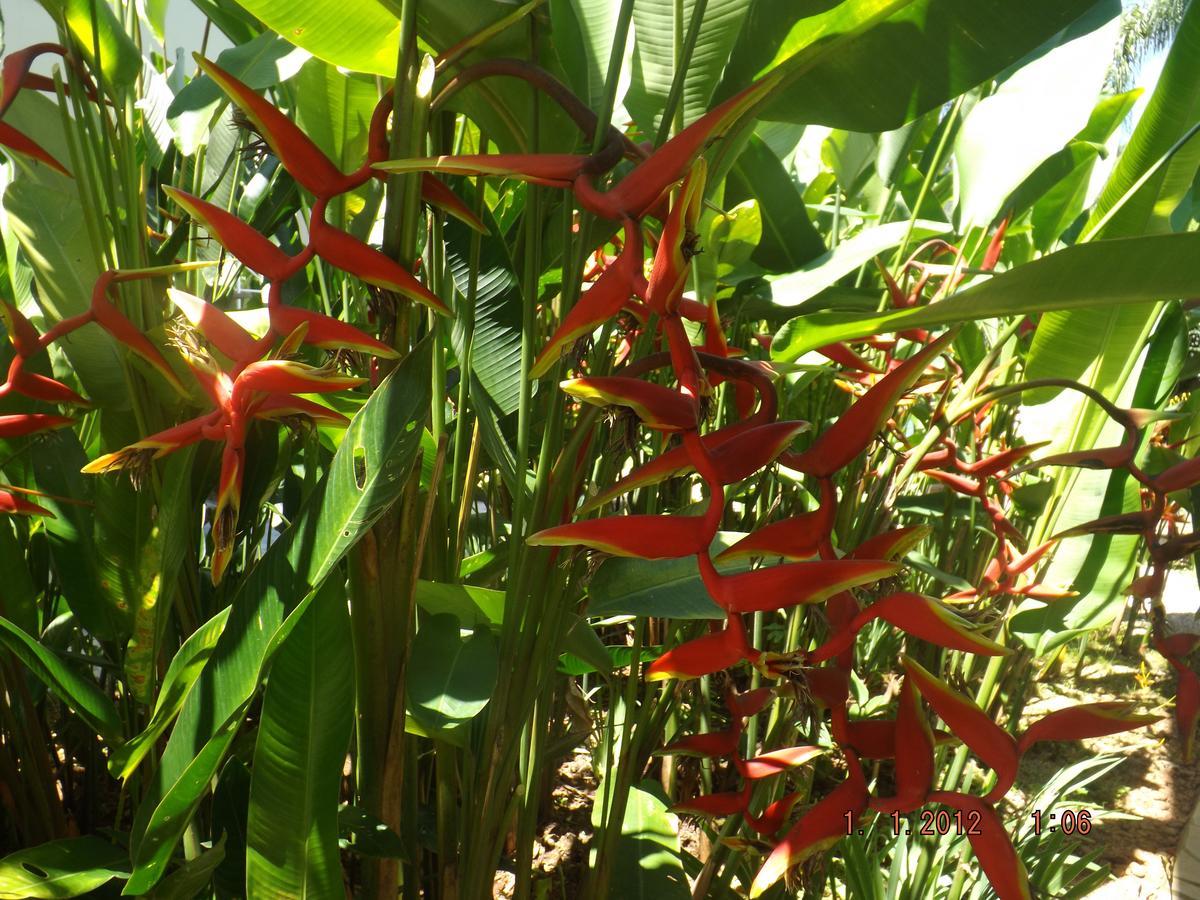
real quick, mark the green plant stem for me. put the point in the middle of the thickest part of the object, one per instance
(683, 61)
(615, 59)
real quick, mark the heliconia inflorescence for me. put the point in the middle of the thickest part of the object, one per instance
(246, 378)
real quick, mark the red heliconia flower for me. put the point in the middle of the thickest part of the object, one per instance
(916, 615)
(24, 424)
(264, 389)
(849, 436)
(992, 845)
(250, 248)
(914, 746)
(966, 720)
(818, 829)
(660, 408)
(677, 245)
(790, 584)
(304, 161)
(894, 544)
(600, 303)
(796, 538)
(15, 505)
(717, 650)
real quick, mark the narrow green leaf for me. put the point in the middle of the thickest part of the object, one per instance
(1110, 273)
(82, 695)
(185, 668)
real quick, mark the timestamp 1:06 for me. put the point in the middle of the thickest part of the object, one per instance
(942, 821)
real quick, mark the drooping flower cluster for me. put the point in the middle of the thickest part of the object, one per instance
(259, 382)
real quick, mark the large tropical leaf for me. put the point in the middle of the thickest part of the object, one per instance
(1123, 273)
(361, 35)
(307, 716)
(872, 65)
(44, 213)
(95, 546)
(65, 868)
(366, 477)
(1100, 346)
(495, 358)
(789, 239)
(450, 679)
(584, 31)
(1009, 133)
(655, 56)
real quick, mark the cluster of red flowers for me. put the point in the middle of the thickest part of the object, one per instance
(260, 382)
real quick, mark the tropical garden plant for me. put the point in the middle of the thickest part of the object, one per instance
(752, 399)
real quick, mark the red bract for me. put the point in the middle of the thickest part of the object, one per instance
(677, 245)
(776, 762)
(819, 828)
(351, 255)
(23, 424)
(641, 536)
(796, 538)
(992, 846)
(304, 161)
(14, 505)
(642, 188)
(919, 616)
(968, 722)
(711, 653)
(1087, 720)
(1178, 477)
(791, 584)
(914, 755)
(12, 139)
(893, 544)
(658, 407)
(837, 446)
(251, 249)
(601, 302)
